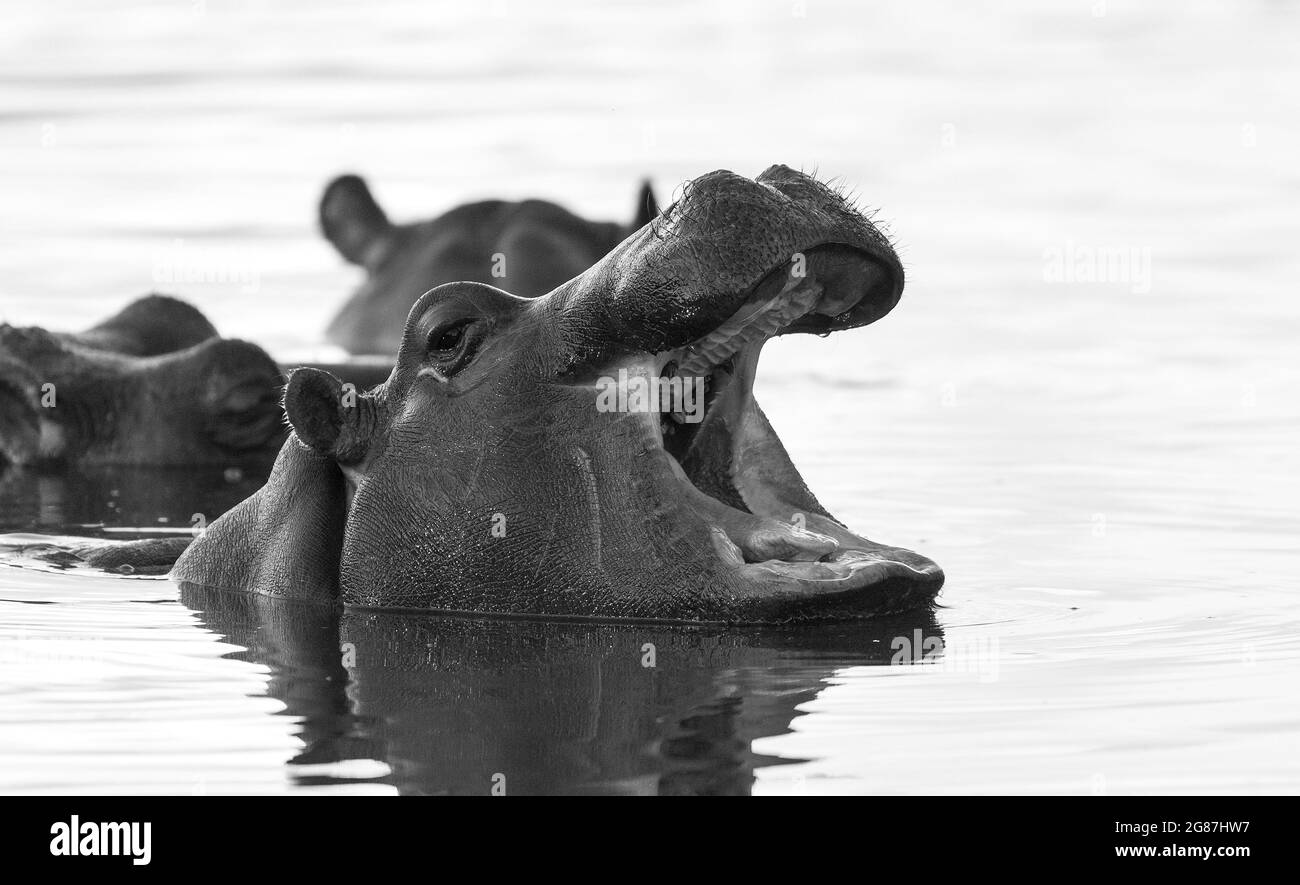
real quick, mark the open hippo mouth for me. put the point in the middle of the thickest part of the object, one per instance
(733, 472)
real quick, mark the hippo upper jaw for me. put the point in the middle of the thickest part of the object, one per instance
(727, 246)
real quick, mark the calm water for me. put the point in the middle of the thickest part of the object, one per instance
(1085, 407)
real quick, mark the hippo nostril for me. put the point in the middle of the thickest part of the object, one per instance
(245, 397)
(239, 395)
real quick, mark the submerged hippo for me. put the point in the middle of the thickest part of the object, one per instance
(527, 247)
(153, 384)
(493, 472)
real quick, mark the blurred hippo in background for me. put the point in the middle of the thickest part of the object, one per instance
(527, 248)
(153, 384)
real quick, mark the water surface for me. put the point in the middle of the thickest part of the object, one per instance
(1084, 407)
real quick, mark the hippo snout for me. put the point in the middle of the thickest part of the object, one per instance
(724, 249)
(239, 388)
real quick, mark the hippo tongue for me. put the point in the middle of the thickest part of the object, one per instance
(743, 534)
(751, 538)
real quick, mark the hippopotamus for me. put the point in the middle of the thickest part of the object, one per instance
(153, 384)
(505, 467)
(527, 247)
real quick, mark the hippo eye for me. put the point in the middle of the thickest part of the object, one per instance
(448, 338)
(451, 347)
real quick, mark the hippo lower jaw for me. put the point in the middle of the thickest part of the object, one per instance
(735, 476)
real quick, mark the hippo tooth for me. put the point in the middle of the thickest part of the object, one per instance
(786, 543)
(751, 324)
(816, 571)
(759, 538)
(729, 552)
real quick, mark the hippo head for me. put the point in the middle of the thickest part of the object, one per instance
(153, 384)
(527, 247)
(597, 451)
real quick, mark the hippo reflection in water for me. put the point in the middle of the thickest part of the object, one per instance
(527, 247)
(483, 477)
(461, 705)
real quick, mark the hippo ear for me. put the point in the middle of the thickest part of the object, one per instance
(328, 415)
(150, 326)
(647, 207)
(352, 220)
